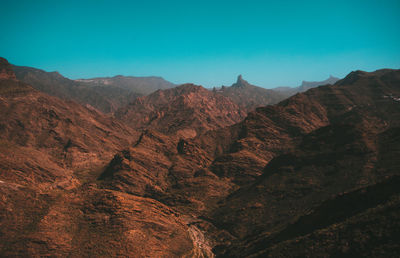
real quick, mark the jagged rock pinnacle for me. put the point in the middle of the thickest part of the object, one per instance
(240, 82)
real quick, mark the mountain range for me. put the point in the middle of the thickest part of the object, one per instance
(249, 96)
(183, 171)
(305, 85)
(108, 94)
(104, 94)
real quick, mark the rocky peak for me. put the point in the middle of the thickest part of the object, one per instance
(6, 71)
(240, 82)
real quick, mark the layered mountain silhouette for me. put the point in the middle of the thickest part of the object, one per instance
(184, 172)
(138, 85)
(104, 94)
(305, 85)
(249, 96)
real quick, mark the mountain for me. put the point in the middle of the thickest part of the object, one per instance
(104, 94)
(340, 142)
(257, 187)
(138, 85)
(249, 96)
(185, 111)
(305, 85)
(51, 152)
(315, 175)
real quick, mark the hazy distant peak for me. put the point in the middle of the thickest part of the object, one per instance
(311, 84)
(240, 82)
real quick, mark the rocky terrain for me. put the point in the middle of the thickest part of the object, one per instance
(279, 165)
(51, 152)
(184, 111)
(340, 144)
(184, 172)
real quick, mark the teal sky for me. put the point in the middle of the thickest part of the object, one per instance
(272, 43)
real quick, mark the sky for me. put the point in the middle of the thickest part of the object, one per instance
(271, 43)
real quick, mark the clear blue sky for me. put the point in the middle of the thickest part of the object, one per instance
(272, 43)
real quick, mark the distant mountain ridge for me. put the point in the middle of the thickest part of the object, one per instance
(311, 84)
(305, 85)
(104, 94)
(249, 96)
(139, 85)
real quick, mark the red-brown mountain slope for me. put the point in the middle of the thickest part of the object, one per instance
(241, 184)
(51, 152)
(185, 111)
(319, 169)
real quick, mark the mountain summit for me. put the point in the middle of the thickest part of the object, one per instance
(250, 96)
(240, 82)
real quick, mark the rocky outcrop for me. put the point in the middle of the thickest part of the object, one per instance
(6, 71)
